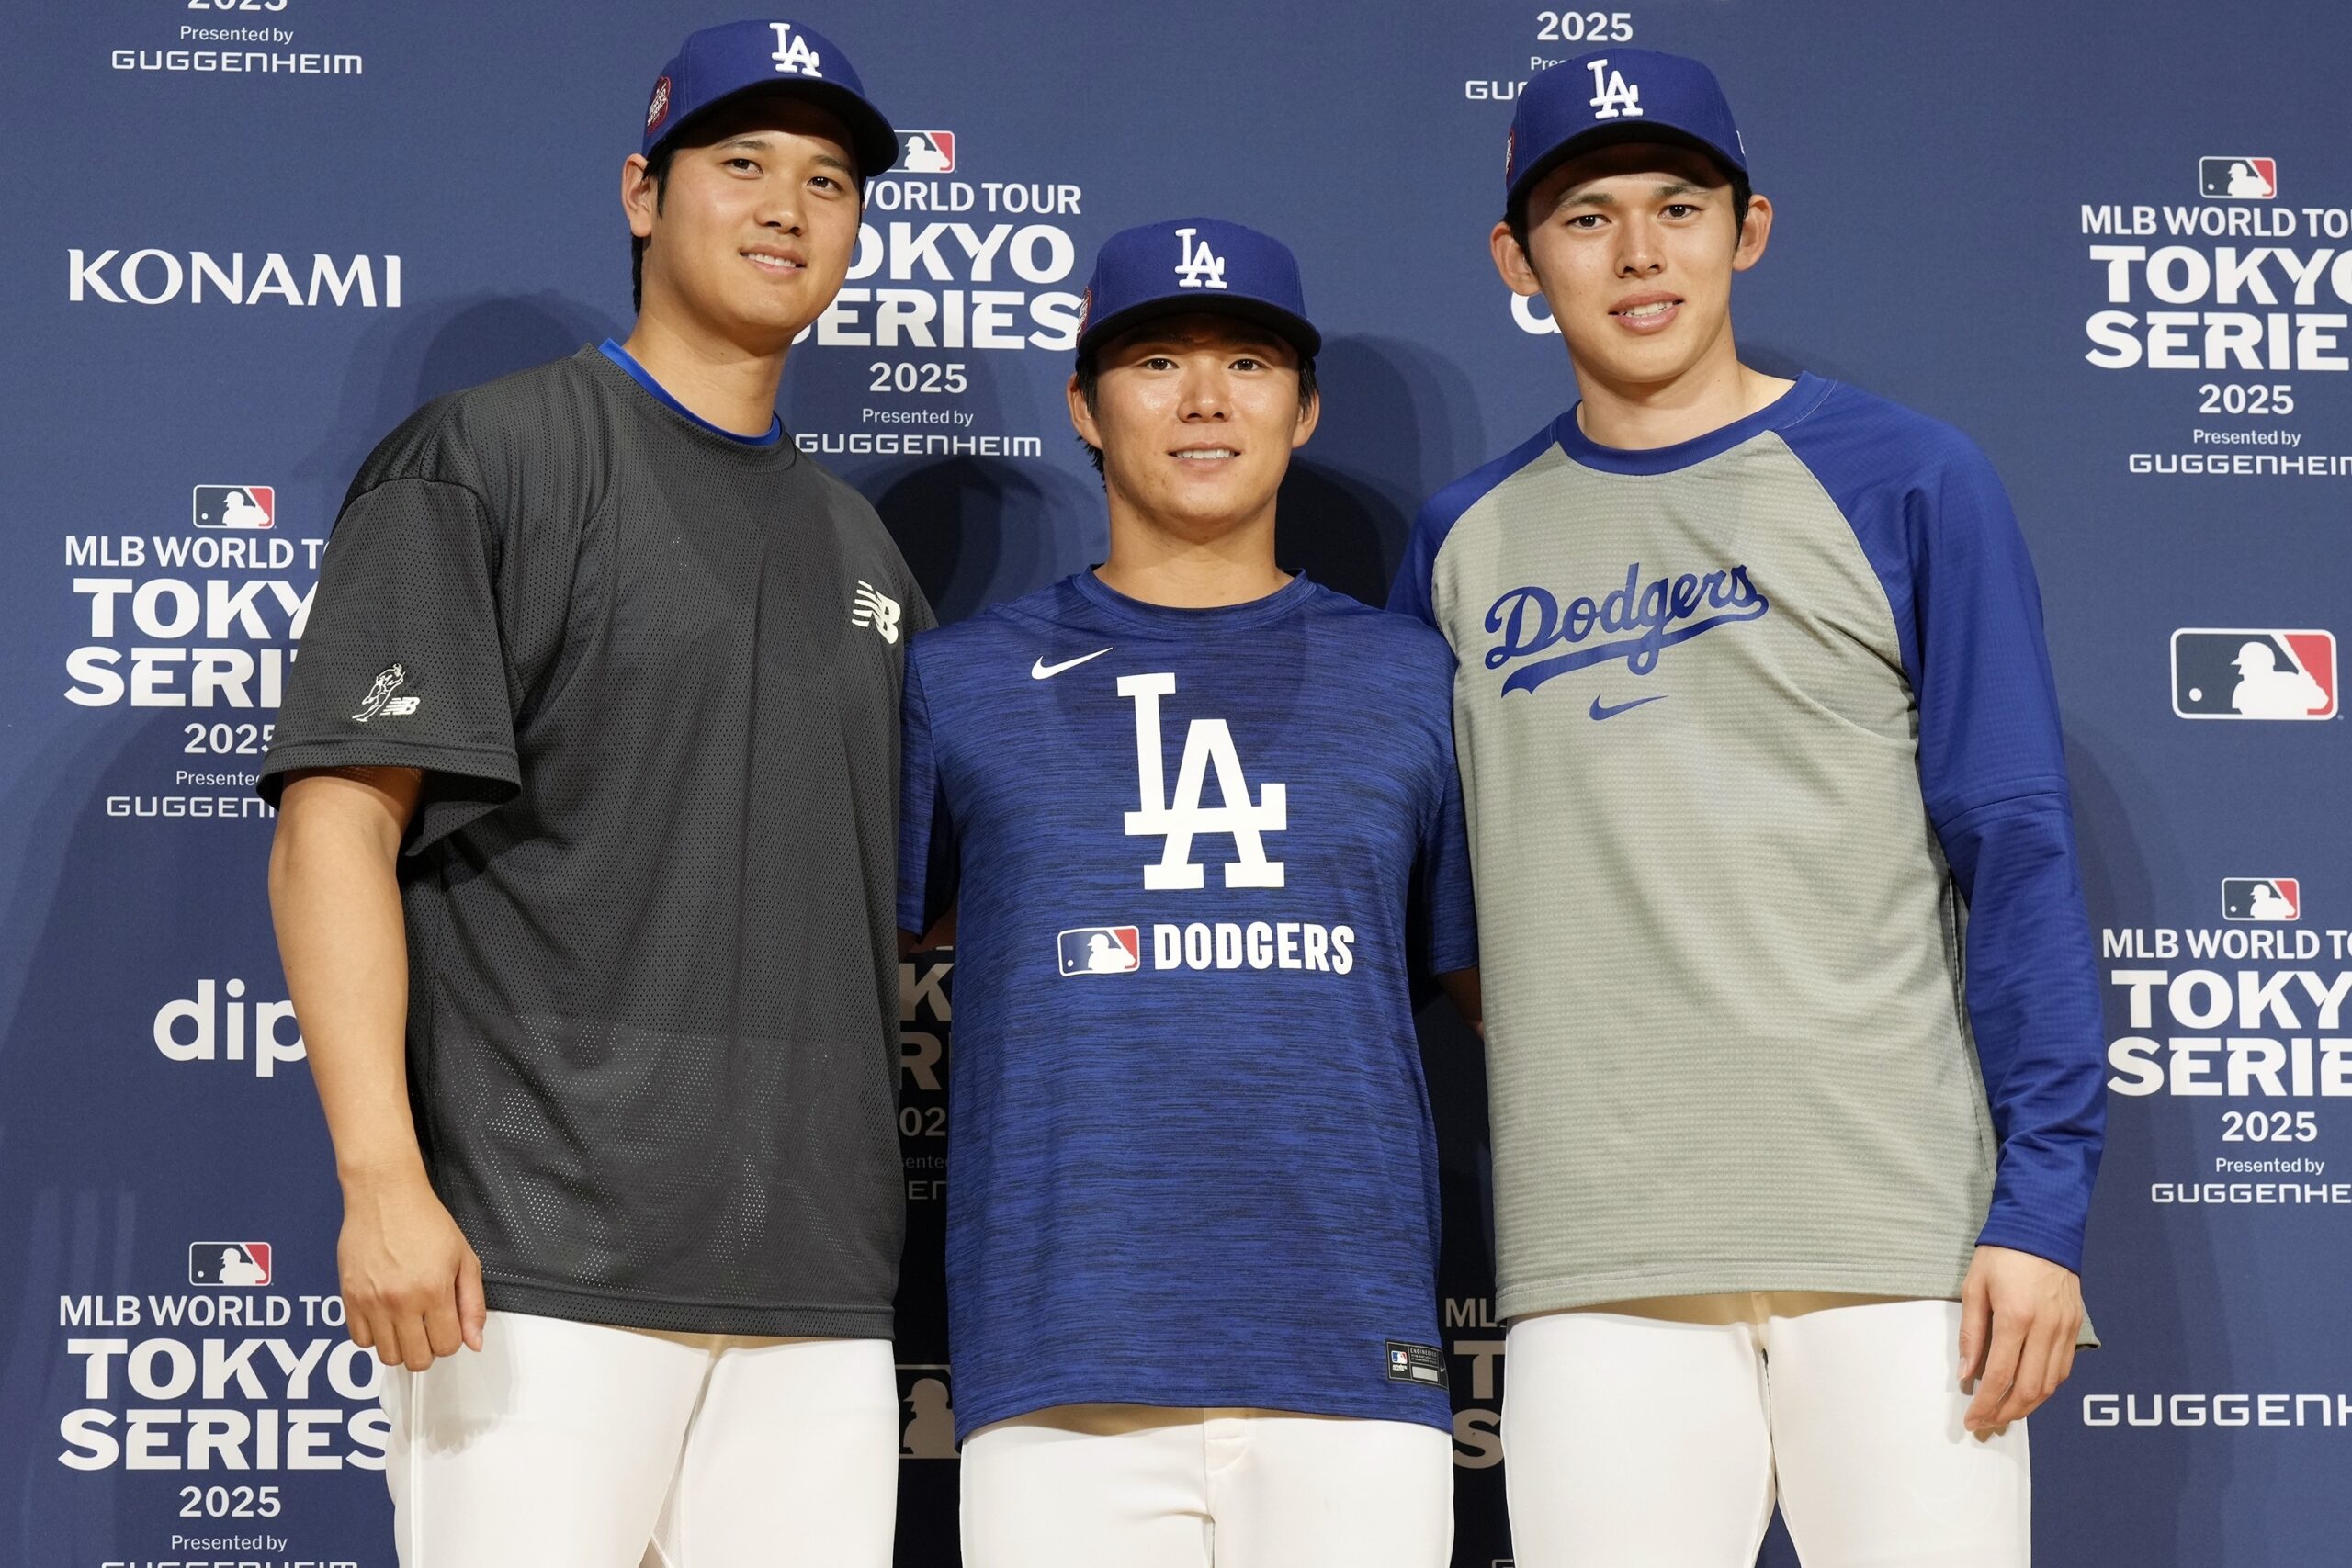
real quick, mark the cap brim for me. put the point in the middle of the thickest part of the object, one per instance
(1610, 136)
(873, 143)
(1295, 330)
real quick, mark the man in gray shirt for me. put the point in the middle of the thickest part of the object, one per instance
(583, 879)
(1792, 1013)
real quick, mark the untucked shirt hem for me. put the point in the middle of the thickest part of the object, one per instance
(622, 1311)
(1919, 1279)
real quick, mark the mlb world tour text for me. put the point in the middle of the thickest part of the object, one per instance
(159, 1393)
(193, 641)
(2261, 1034)
(2267, 306)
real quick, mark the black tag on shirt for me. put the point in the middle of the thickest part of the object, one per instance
(1415, 1363)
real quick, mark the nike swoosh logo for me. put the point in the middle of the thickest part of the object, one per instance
(1600, 711)
(1041, 670)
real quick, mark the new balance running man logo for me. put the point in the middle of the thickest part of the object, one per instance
(793, 55)
(380, 700)
(1612, 95)
(1208, 742)
(1197, 266)
(872, 608)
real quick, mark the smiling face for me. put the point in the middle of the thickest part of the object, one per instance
(1196, 417)
(752, 228)
(1633, 247)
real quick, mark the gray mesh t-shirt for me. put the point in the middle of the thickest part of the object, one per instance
(653, 675)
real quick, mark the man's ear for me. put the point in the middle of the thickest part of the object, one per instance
(1082, 418)
(1511, 260)
(640, 195)
(1753, 234)
(1310, 414)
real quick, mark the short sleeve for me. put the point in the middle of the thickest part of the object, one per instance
(927, 857)
(402, 663)
(1448, 914)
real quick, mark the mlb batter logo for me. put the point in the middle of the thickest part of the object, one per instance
(2261, 672)
(246, 507)
(2262, 898)
(1101, 950)
(927, 1408)
(927, 152)
(2238, 179)
(220, 1263)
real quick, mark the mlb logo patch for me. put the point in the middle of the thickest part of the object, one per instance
(235, 506)
(927, 152)
(2262, 898)
(1101, 949)
(218, 1263)
(2238, 179)
(926, 1410)
(2257, 672)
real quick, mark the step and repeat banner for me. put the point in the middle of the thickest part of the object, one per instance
(2112, 243)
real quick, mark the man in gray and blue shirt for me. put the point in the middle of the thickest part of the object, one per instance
(1792, 1013)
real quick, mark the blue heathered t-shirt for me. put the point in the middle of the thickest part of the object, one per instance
(1190, 1157)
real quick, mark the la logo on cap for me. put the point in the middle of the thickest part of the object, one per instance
(1611, 94)
(793, 55)
(1199, 266)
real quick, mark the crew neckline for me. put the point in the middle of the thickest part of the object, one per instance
(644, 378)
(1787, 409)
(1187, 618)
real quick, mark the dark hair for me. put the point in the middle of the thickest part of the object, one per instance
(1515, 218)
(657, 169)
(1089, 379)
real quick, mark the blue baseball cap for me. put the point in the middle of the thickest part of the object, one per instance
(722, 63)
(1194, 263)
(1616, 94)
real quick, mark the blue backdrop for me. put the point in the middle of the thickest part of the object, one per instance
(256, 234)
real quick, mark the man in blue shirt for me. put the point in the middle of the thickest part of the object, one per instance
(1198, 814)
(1792, 1016)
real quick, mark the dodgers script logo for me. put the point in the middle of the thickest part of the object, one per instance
(1207, 743)
(1612, 95)
(793, 55)
(1656, 615)
(1198, 266)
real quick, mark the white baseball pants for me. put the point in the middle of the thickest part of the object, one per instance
(1659, 1435)
(593, 1447)
(1137, 1486)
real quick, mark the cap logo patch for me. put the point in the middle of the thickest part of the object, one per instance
(659, 109)
(793, 56)
(1085, 308)
(1611, 95)
(1197, 266)
(1510, 153)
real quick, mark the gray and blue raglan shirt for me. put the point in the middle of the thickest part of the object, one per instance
(1788, 980)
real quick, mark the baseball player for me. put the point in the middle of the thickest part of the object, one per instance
(1199, 811)
(1792, 1014)
(583, 876)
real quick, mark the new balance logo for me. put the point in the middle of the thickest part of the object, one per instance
(380, 702)
(1611, 95)
(793, 55)
(1207, 743)
(1198, 266)
(870, 607)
